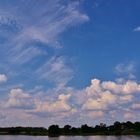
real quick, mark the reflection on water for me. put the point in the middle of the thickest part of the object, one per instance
(70, 138)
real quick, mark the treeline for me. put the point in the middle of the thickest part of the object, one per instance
(124, 128)
(23, 131)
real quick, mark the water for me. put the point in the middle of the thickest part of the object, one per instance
(70, 138)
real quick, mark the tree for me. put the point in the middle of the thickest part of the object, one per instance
(129, 125)
(86, 129)
(117, 128)
(67, 129)
(54, 131)
(137, 126)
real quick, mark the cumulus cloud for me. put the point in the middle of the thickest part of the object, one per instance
(126, 98)
(129, 115)
(108, 96)
(60, 105)
(107, 90)
(136, 106)
(95, 114)
(128, 87)
(93, 104)
(19, 99)
(3, 78)
(101, 99)
(98, 99)
(58, 108)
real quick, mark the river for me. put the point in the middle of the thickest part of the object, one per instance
(70, 138)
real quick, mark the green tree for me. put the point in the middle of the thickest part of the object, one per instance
(67, 129)
(54, 131)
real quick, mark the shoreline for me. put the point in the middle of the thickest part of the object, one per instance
(117, 129)
(70, 135)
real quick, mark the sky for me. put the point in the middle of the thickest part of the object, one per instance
(69, 62)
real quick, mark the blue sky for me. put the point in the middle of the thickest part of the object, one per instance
(69, 62)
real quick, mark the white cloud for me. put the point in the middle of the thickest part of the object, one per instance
(136, 106)
(3, 78)
(100, 100)
(109, 95)
(126, 69)
(93, 104)
(35, 28)
(26, 55)
(126, 98)
(31, 107)
(55, 70)
(137, 29)
(44, 26)
(128, 87)
(129, 115)
(19, 99)
(95, 114)
(18, 93)
(60, 105)
(94, 88)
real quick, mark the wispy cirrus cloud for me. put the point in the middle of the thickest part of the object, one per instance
(29, 28)
(44, 22)
(19, 99)
(55, 70)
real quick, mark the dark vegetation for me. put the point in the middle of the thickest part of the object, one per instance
(124, 128)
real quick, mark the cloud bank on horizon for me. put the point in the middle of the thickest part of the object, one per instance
(38, 75)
